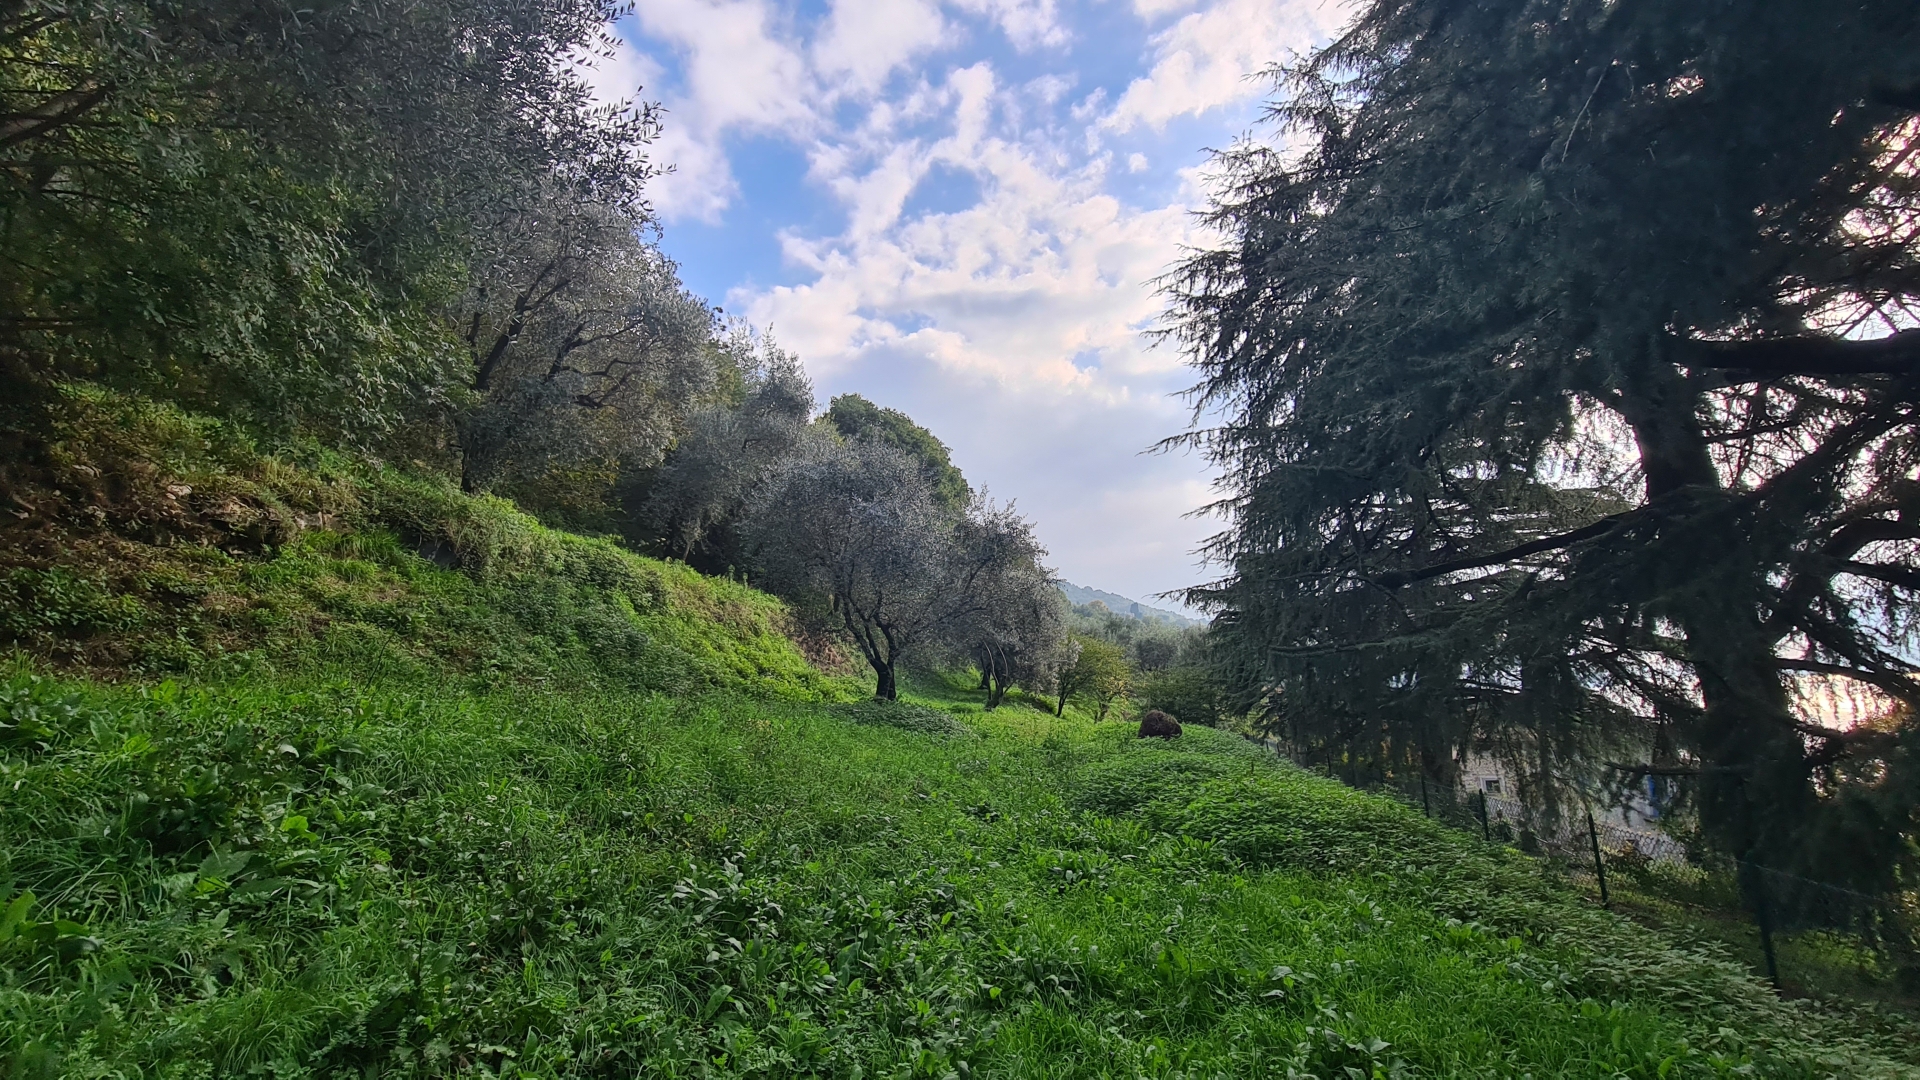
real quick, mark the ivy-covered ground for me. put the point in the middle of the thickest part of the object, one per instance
(258, 879)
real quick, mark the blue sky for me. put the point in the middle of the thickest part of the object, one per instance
(957, 208)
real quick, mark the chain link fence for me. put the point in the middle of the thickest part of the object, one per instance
(1879, 927)
(1819, 923)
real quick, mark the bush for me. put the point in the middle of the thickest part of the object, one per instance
(1191, 694)
(43, 604)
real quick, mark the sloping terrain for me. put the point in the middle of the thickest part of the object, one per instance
(150, 542)
(431, 790)
(216, 881)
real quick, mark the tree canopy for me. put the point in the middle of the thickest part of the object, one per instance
(854, 417)
(269, 210)
(697, 498)
(1567, 366)
(855, 529)
(1099, 672)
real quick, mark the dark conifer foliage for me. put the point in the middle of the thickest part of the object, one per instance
(1568, 373)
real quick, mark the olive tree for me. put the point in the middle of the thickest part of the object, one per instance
(583, 345)
(262, 207)
(729, 451)
(855, 529)
(1016, 633)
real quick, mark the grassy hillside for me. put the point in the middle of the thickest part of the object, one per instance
(433, 791)
(213, 881)
(151, 542)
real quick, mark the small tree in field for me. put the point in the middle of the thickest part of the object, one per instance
(1099, 673)
(1066, 680)
(1017, 632)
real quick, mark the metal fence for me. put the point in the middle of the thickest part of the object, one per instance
(1596, 854)
(1887, 928)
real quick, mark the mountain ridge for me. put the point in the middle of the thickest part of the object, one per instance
(1124, 605)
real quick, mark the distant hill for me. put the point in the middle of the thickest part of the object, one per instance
(1120, 605)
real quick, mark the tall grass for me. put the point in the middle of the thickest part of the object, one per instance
(327, 880)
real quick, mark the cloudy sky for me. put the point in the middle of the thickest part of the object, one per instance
(957, 208)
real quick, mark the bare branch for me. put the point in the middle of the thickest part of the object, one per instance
(1605, 525)
(1818, 357)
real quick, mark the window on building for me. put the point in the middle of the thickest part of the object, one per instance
(1490, 785)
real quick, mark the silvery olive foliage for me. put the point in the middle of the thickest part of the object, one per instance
(1018, 634)
(728, 452)
(584, 346)
(855, 529)
(264, 209)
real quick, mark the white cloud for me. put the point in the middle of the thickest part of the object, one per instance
(1011, 327)
(1204, 60)
(736, 67)
(1027, 23)
(1045, 270)
(701, 184)
(736, 73)
(865, 40)
(1050, 88)
(624, 75)
(985, 277)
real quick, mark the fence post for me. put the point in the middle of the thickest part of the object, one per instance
(1486, 830)
(1763, 915)
(1599, 864)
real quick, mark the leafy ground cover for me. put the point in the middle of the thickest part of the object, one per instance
(1704, 904)
(158, 543)
(310, 768)
(256, 877)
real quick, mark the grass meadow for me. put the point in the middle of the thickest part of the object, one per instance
(268, 879)
(308, 768)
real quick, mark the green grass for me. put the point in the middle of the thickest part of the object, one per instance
(327, 880)
(165, 545)
(316, 768)
(1703, 904)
